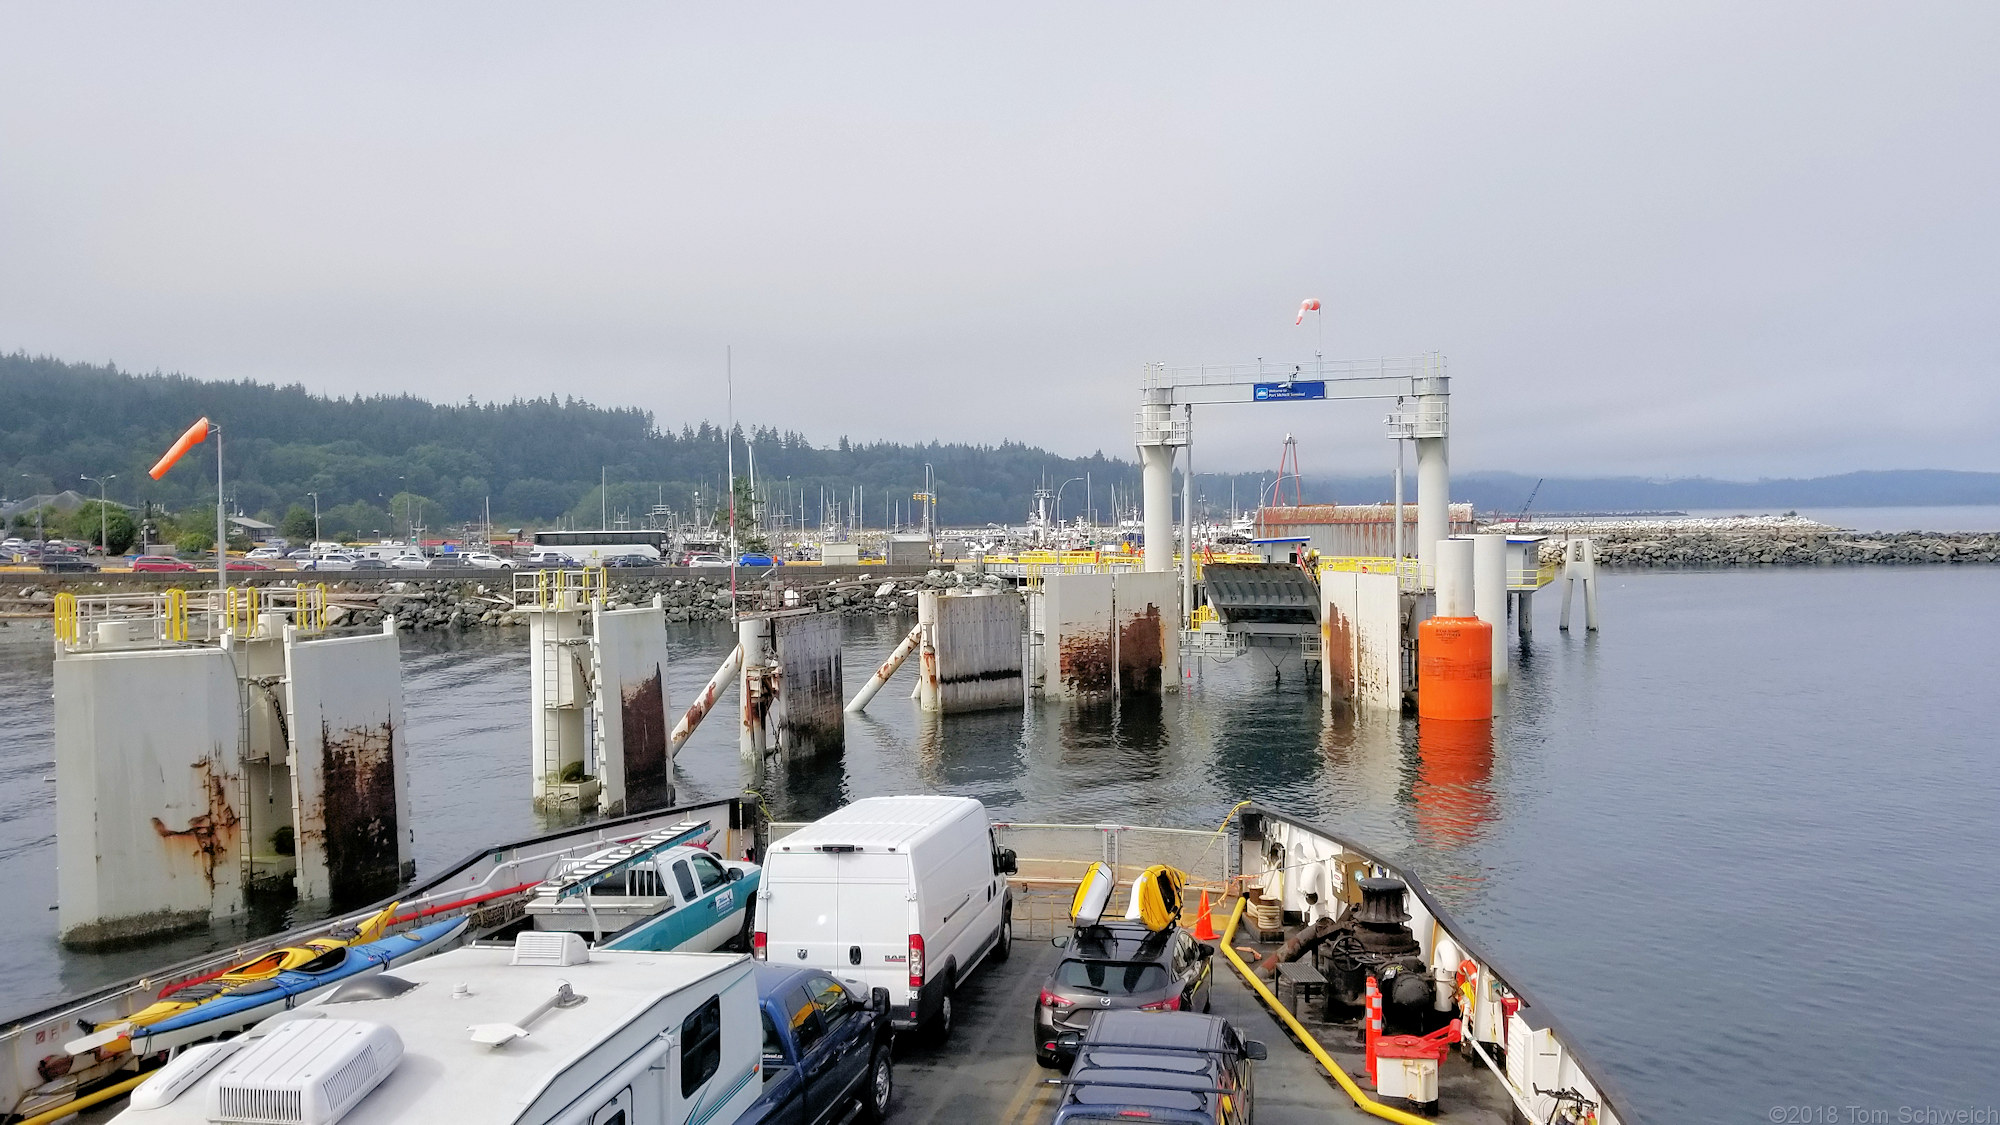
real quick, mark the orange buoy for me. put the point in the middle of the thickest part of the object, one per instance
(1454, 668)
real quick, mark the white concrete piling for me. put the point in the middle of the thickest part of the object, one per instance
(1580, 565)
(1489, 594)
(1454, 577)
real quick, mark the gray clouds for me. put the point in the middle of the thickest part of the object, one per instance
(1678, 238)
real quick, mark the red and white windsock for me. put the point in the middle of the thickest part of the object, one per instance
(1310, 304)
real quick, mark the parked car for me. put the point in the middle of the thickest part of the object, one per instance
(409, 562)
(1113, 966)
(904, 893)
(300, 555)
(369, 564)
(823, 1047)
(250, 564)
(704, 559)
(266, 553)
(630, 560)
(337, 560)
(552, 560)
(758, 560)
(485, 560)
(153, 563)
(1181, 1067)
(62, 561)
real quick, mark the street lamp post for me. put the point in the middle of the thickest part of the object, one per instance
(103, 515)
(1058, 519)
(315, 496)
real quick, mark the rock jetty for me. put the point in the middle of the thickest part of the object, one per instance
(1769, 541)
(426, 605)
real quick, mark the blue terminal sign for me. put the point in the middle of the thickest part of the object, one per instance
(1289, 392)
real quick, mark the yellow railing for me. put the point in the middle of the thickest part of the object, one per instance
(66, 618)
(546, 589)
(174, 615)
(239, 610)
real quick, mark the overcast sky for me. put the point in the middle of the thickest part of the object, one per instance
(1670, 239)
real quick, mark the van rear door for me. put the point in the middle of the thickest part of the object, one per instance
(801, 918)
(875, 918)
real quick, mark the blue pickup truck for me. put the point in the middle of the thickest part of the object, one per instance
(824, 1046)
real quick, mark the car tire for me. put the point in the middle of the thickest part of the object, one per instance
(1003, 946)
(880, 1087)
(942, 1022)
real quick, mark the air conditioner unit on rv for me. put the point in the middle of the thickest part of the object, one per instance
(306, 1072)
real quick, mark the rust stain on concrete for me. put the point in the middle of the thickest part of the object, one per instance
(1337, 649)
(211, 834)
(1141, 653)
(356, 817)
(643, 709)
(1084, 663)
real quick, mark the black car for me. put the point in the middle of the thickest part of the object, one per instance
(630, 561)
(57, 562)
(1183, 1068)
(1118, 965)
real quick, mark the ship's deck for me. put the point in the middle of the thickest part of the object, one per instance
(987, 1071)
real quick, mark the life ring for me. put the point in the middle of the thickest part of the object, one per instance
(1468, 982)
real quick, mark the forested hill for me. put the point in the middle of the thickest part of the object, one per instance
(536, 459)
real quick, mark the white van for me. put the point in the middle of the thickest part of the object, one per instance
(904, 893)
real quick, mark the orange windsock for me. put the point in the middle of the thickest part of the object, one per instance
(195, 435)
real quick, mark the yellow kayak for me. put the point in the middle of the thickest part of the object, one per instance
(1156, 896)
(261, 967)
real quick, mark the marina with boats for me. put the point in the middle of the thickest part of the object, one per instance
(294, 732)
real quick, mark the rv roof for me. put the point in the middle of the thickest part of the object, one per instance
(880, 822)
(445, 1076)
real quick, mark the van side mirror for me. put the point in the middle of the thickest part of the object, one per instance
(878, 1001)
(735, 874)
(1254, 1051)
(1004, 862)
(1204, 950)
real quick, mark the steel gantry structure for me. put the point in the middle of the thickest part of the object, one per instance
(1165, 425)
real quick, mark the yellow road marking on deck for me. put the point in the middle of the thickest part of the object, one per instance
(1017, 1106)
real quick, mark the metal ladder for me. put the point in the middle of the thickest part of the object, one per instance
(625, 855)
(552, 656)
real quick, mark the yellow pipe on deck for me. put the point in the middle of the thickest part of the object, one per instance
(68, 1109)
(1361, 1099)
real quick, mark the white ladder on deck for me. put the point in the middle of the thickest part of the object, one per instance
(610, 862)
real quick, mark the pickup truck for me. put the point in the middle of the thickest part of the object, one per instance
(823, 1047)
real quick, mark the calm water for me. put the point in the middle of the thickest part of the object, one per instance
(1743, 841)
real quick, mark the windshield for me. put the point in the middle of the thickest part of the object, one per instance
(1115, 978)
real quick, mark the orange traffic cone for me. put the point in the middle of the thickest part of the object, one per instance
(1204, 926)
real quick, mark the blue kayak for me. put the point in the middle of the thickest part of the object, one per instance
(244, 1005)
